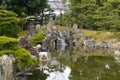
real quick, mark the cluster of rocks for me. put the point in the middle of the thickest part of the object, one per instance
(88, 42)
(38, 52)
(59, 38)
(55, 39)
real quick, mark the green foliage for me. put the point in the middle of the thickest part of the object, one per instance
(24, 58)
(58, 20)
(30, 7)
(74, 2)
(23, 20)
(10, 46)
(38, 38)
(9, 23)
(8, 43)
(107, 16)
(5, 13)
(7, 52)
(36, 75)
(95, 14)
(23, 33)
(82, 14)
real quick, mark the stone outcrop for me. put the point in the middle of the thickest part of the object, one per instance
(44, 56)
(6, 67)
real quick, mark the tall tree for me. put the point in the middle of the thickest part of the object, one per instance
(30, 7)
(107, 16)
(88, 14)
(82, 13)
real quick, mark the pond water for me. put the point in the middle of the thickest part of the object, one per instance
(77, 64)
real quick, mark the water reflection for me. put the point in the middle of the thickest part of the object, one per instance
(57, 75)
(77, 64)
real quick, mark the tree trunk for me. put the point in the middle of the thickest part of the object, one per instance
(61, 19)
(42, 17)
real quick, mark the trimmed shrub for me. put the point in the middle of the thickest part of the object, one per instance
(7, 52)
(9, 23)
(8, 43)
(10, 46)
(23, 57)
(37, 38)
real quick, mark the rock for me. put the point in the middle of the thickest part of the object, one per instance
(117, 53)
(117, 56)
(44, 56)
(6, 67)
(23, 42)
(101, 44)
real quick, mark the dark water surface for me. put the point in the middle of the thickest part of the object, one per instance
(78, 64)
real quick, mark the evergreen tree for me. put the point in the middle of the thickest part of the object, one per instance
(9, 23)
(95, 14)
(30, 7)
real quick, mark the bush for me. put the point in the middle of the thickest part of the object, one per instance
(9, 23)
(23, 57)
(7, 52)
(10, 46)
(8, 43)
(37, 38)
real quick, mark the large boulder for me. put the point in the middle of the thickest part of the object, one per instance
(6, 67)
(44, 56)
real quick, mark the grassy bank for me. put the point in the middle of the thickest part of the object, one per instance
(97, 35)
(102, 35)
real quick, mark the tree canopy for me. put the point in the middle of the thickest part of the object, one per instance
(30, 7)
(94, 14)
(9, 23)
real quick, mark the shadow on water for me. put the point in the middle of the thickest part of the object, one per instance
(78, 64)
